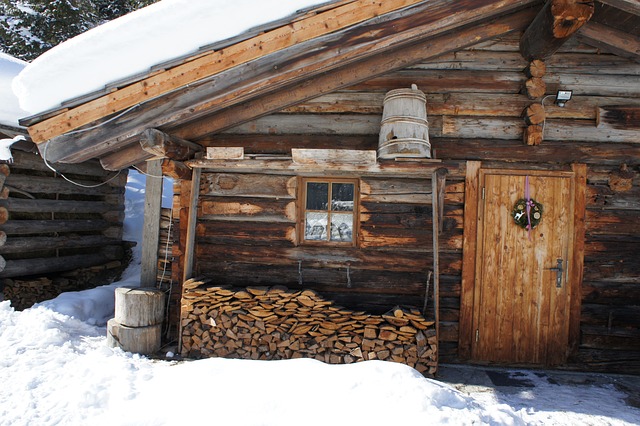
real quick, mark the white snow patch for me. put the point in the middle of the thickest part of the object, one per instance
(135, 42)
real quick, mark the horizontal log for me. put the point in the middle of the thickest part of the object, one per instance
(50, 185)
(336, 280)
(26, 267)
(30, 161)
(24, 205)
(605, 360)
(247, 233)
(609, 316)
(624, 117)
(395, 238)
(401, 191)
(612, 153)
(612, 222)
(309, 256)
(26, 227)
(604, 198)
(239, 208)
(248, 185)
(29, 244)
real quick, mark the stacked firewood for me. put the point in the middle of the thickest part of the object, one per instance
(269, 323)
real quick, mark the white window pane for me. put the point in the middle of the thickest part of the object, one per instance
(342, 227)
(315, 227)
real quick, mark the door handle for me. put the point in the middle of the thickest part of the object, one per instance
(559, 271)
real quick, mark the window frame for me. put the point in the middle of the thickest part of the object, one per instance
(302, 210)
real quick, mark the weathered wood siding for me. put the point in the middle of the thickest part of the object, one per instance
(246, 235)
(53, 226)
(475, 105)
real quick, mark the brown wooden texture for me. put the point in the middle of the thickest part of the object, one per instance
(522, 313)
(557, 21)
(270, 323)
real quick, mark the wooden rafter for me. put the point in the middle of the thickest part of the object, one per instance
(380, 38)
(215, 62)
(631, 6)
(611, 40)
(557, 21)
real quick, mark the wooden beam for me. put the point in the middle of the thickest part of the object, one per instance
(125, 157)
(151, 227)
(175, 170)
(624, 117)
(163, 145)
(611, 40)
(190, 243)
(554, 24)
(631, 6)
(352, 74)
(293, 68)
(469, 246)
(215, 62)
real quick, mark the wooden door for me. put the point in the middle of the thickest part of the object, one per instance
(521, 312)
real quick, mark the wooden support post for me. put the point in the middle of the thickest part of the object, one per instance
(151, 227)
(554, 24)
(437, 179)
(191, 225)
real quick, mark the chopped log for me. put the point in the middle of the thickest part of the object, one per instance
(536, 68)
(535, 87)
(554, 24)
(534, 114)
(533, 135)
(139, 307)
(141, 340)
(276, 323)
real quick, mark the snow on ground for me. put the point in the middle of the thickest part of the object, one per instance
(133, 43)
(55, 369)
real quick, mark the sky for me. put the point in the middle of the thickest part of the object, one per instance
(56, 369)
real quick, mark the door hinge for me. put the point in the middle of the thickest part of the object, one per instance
(483, 192)
(477, 335)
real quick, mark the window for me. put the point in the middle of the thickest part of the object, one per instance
(329, 210)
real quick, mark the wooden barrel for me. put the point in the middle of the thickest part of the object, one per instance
(404, 131)
(139, 307)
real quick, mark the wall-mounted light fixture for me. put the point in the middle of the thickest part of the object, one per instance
(562, 97)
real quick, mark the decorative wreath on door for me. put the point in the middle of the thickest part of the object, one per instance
(527, 219)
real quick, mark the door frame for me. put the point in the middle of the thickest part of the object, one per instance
(469, 250)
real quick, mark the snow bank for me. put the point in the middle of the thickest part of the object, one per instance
(133, 43)
(57, 370)
(10, 111)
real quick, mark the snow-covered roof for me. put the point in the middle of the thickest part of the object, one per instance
(134, 43)
(10, 111)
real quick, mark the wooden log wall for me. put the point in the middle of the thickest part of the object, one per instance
(53, 231)
(276, 323)
(475, 101)
(246, 235)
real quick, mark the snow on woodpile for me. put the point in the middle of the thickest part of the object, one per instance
(132, 44)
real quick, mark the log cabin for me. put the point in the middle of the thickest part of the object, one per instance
(510, 231)
(54, 236)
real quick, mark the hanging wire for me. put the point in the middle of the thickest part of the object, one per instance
(44, 153)
(46, 163)
(544, 117)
